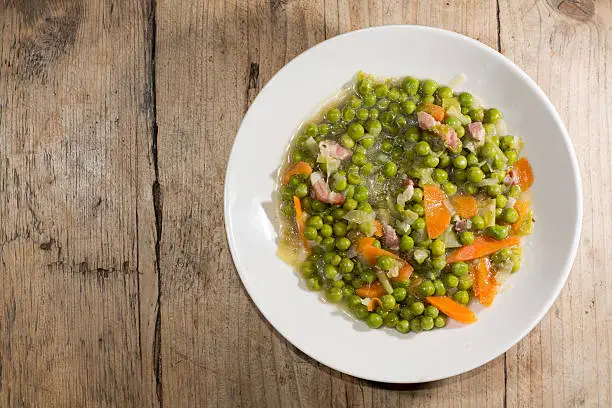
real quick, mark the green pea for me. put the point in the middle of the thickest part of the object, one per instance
(340, 229)
(459, 268)
(462, 297)
(426, 288)
(439, 322)
(466, 99)
(315, 221)
(466, 238)
(515, 191)
(326, 231)
(459, 175)
(498, 212)
(361, 312)
(417, 308)
(333, 294)
(487, 151)
(376, 243)
(438, 247)
(440, 289)
(373, 126)
(364, 86)
(333, 115)
(374, 320)
(477, 114)
(460, 132)
(385, 262)
(353, 301)
(343, 243)
(465, 282)
(381, 90)
(391, 319)
(297, 156)
(444, 92)
(470, 188)
(395, 108)
(438, 262)
(410, 85)
(449, 188)
(355, 131)
(361, 150)
(369, 99)
(489, 129)
(312, 130)
(422, 148)
(382, 103)
(453, 122)
(445, 161)
(431, 160)
(390, 169)
(310, 233)
(418, 208)
(401, 121)
(450, 281)
(314, 283)
(428, 87)
(339, 213)
(501, 256)
(348, 114)
(359, 159)
(472, 159)
(475, 174)
(431, 311)
(415, 325)
(330, 271)
(353, 178)
(368, 275)
(497, 231)
(357, 283)
(510, 215)
(428, 99)
(406, 243)
(406, 313)
(425, 244)
(324, 129)
(427, 323)
(494, 190)
(339, 183)
(361, 194)
(365, 206)
(328, 243)
(409, 107)
(307, 268)
(418, 224)
(417, 196)
(403, 326)
(347, 291)
(478, 222)
(440, 176)
(399, 294)
(393, 94)
(492, 115)
(388, 302)
(362, 114)
(512, 156)
(301, 190)
(318, 207)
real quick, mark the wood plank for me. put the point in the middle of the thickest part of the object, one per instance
(216, 348)
(566, 47)
(75, 182)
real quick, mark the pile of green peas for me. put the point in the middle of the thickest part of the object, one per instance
(377, 122)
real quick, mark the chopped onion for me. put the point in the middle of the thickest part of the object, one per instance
(332, 164)
(394, 271)
(476, 102)
(510, 203)
(420, 255)
(359, 217)
(459, 79)
(405, 195)
(471, 146)
(384, 281)
(486, 209)
(410, 216)
(351, 252)
(456, 113)
(503, 271)
(488, 182)
(450, 239)
(402, 226)
(501, 128)
(312, 145)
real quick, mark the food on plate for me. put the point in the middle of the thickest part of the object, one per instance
(405, 202)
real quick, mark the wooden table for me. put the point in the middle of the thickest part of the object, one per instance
(116, 284)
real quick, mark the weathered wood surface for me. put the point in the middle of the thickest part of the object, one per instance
(116, 283)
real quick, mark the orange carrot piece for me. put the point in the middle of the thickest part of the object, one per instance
(371, 253)
(371, 290)
(485, 286)
(465, 206)
(522, 207)
(434, 110)
(452, 309)
(364, 242)
(482, 246)
(524, 173)
(299, 219)
(404, 273)
(297, 168)
(372, 304)
(437, 215)
(379, 229)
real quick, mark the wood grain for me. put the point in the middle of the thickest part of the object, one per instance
(567, 359)
(76, 215)
(116, 283)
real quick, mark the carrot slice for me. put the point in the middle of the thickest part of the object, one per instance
(297, 168)
(524, 173)
(364, 242)
(372, 290)
(404, 273)
(437, 215)
(371, 253)
(522, 207)
(379, 229)
(485, 286)
(299, 219)
(372, 304)
(465, 206)
(482, 246)
(452, 309)
(434, 110)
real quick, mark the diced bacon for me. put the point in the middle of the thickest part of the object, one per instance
(511, 178)
(462, 225)
(322, 192)
(449, 136)
(426, 121)
(408, 182)
(329, 148)
(477, 131)
(391, 238)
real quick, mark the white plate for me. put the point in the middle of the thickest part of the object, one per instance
(319, 329)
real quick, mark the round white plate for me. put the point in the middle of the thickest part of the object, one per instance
(321, 330)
